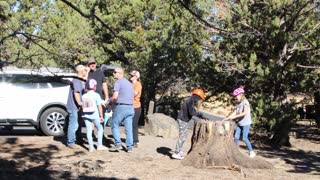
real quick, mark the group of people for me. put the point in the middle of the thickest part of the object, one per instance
(241, 115)
(88, 100)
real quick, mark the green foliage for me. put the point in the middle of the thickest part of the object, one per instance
(272, 53)
(162, 42)
(46, 33)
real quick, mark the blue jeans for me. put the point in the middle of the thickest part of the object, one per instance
(122, 114)
(73, 126)
(99, 127)
(245, 132)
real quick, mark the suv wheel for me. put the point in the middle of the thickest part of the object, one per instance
(52, 121)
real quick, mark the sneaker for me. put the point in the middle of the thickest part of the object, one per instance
(73, 146)
(102, 148)
(181, 153)
(129, 150)
(115, 149)
(135, 145)
(252, 154)
(177, 156)
(91, 149)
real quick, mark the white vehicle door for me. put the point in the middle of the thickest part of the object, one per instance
(6, 95)
(20, 97)
(3, 100)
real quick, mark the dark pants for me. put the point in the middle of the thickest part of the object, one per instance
(135, 124)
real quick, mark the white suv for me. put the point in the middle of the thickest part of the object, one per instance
(34, 98)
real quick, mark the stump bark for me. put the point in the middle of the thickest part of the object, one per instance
(213, 145)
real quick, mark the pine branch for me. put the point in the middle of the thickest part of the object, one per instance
(296, 16)
(206, 23)
(92, 15)
(307, 67)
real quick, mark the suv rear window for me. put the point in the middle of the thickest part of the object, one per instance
(33, 81)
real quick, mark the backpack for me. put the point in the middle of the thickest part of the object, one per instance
(87, 105)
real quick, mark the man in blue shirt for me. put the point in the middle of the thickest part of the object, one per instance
(74, 105)
(123, 112)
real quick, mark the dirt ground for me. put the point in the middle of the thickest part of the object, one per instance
(41, 157)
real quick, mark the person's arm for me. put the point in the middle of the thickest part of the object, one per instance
(86, 75)
(231, 115)
(105, 90)
(115, 94)
(192, 110)
(76, 92)
(234, 115)
(114, 97)
(100, 113)
(77, 97)
(137, 90)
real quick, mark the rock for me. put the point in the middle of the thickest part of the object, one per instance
(161, 125)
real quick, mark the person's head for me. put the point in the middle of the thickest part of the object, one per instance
(81, 71)
(91, 84)
(238, 94)
(134, 76)
(118, 73)
(92, 64)
(200, 94)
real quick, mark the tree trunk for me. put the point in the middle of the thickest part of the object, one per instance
(281, 134)
(213, 145)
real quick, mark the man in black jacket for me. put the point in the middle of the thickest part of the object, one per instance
(188, 109)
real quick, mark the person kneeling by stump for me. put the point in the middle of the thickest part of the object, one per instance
(188, 109)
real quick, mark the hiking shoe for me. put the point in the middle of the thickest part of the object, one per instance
(181, 153)
(129, 150)
(177, 156)
(102, 148)
(252, 154)
(73, 146)
(91, 149)
(115, 149)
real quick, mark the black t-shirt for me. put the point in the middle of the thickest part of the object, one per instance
(188, 109)
(100, 78)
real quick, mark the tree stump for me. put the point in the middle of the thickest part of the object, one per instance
(213, 146)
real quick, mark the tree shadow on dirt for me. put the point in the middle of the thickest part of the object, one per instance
(25, 161)
(102, 178)
(302, 161)
(303, 130)
(21, 132)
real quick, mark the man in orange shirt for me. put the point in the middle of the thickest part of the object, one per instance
(137, 89)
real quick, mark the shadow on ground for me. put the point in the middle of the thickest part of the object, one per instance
(27, 162)
(301, 160)
(165, 151)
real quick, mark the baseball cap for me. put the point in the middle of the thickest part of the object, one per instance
(80, 68)
(91, 60)
(91, 83)
(135, 73)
